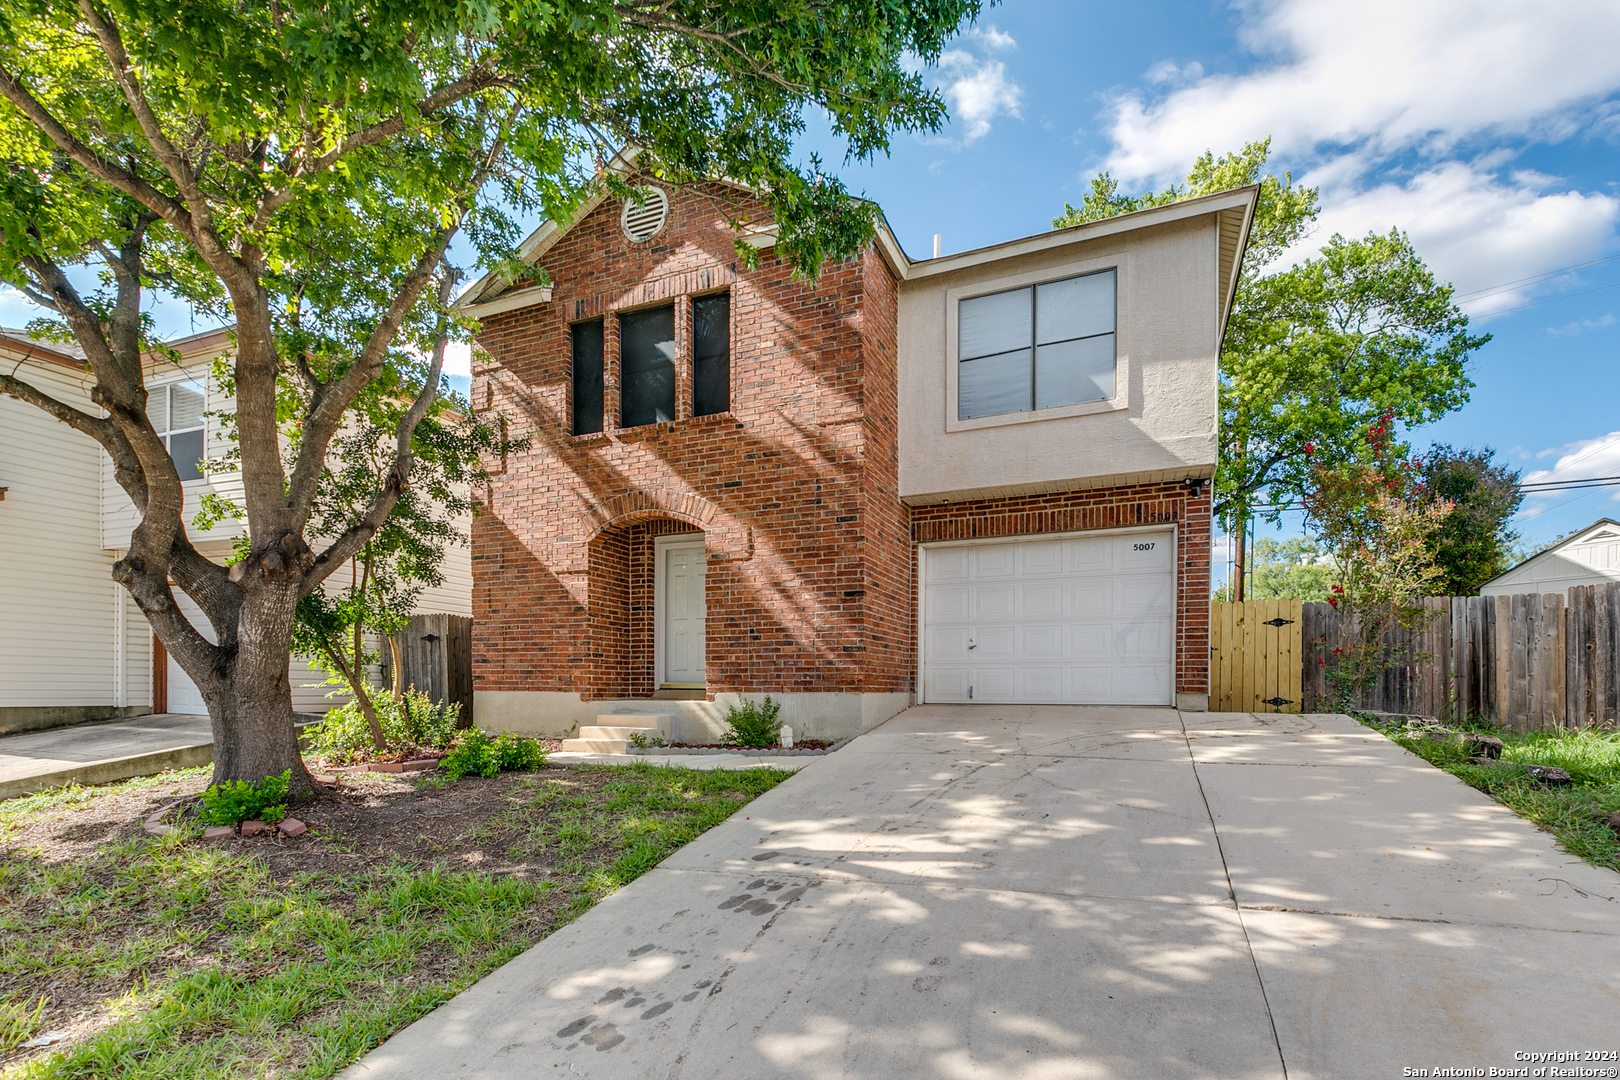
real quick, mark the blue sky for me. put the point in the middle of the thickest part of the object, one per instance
(1488, 129)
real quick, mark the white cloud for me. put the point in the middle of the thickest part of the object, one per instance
(976, 87)
(1475, 229)
(1168, 71)
(1579, 460)
(1580, 326)
(1384, 74)
(1357, 92)
(458, 359)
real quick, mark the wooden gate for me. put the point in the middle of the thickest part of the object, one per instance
(1255, 656)
(435, 656)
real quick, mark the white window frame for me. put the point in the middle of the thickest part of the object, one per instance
(191, 382)
(1021, 538)
(1120, 263)
(661, 546)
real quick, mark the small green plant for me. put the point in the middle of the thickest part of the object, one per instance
(754, 724)
(18, 1021)
(412, 720)
(481, 754)
(641, 742)
(236, 801)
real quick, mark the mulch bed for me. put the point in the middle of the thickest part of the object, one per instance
(365, 820)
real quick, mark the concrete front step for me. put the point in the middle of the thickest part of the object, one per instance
(612, 731)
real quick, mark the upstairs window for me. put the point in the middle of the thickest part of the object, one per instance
(647, 366)
(1038, 347)
(176, 412)
(711, 354)
(586, 376)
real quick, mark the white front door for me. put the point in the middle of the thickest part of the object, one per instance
(1074, 620)
(682, 610)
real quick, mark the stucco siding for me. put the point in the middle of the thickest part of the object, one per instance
(1161, 427)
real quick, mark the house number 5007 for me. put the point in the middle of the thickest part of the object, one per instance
(1142, 547)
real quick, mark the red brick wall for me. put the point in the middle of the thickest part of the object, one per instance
(793, 492)
(1104, 508)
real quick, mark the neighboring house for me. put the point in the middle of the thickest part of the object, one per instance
(978, 478)
(1589, 557)
(75, 646)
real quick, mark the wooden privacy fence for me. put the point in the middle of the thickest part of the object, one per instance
(1529, 661)
(435, 656)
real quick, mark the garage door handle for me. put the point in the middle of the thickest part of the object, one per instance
(972, 646)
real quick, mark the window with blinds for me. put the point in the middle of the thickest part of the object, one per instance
(711, 354)
(1039, 347)
(647, 366)
(586, 377)
(176, 412)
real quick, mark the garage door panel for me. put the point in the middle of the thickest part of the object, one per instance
(1088, 556)
(949, 564)
(994, 684)
(1091, 599)
(948, 683)
(1041, 600)
(1084, 620)
(995, 561)
(1145, 597)
(948, 604)
(995, 601)
(1141, 641)
(1137, 553)
(996, 643)
(948, 643)
(1040, 684)
(1041, 559)
(1141, 685)
(1089, 684)
(1041, 642)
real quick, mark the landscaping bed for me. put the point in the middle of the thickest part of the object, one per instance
(168, 956)
(1582, 812)
(800, 748)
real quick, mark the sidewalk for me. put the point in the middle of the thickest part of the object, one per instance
(104, 752)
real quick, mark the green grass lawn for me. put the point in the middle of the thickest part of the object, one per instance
(174, 958)
(1575, 814)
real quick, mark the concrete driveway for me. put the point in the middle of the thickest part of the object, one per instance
(1070, 893)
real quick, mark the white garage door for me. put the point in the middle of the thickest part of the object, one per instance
(1079, 620)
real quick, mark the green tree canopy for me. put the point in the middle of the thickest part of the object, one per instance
(1293, 569)
(301, 168)
(1476, 541)
(1315, 352)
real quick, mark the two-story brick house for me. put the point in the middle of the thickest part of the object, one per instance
(982, 477)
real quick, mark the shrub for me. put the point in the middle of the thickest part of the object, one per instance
(236, 801)
(754, 724)
(413, 720)
(479, 753)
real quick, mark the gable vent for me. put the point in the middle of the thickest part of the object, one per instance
(642, 220)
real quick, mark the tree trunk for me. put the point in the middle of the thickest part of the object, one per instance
(1239, 554)
(250, 699)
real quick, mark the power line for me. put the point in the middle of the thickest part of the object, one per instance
(1550, 299)
(1534, 279)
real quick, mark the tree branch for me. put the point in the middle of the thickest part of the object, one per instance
(131, 184)
(355, 537)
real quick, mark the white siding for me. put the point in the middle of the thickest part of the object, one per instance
(57, 612)
(118, 515)
(1592, 558)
